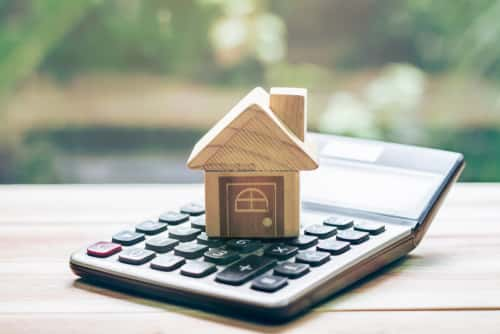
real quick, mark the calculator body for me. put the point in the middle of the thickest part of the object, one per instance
(399, 187)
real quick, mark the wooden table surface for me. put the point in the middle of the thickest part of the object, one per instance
(450, 283)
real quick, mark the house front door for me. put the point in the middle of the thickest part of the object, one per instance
(251, 206)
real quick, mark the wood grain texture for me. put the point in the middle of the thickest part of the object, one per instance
(251, 138)
(449, 284)
(216, 218)
(290, 105)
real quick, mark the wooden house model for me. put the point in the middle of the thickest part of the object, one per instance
(251, 159)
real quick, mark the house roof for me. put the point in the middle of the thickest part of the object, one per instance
(251, 138)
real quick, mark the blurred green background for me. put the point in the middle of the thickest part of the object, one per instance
(119, 90)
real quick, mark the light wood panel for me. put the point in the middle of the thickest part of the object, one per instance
(450, 283)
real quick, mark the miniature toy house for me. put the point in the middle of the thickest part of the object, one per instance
(252, 158)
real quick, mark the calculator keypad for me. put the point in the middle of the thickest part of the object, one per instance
(183, 248)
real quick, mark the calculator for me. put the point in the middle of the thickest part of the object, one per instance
(368, 204)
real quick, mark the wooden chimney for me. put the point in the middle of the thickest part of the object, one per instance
(290, 105)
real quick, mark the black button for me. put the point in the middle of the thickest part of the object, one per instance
(173, 218)
(203, 239)
(370, 227)
(167, 262)
(198, 269)
(244, 245)
(291, 269)
(269, 283)
(245, 269)
(136, 256)
(184, 233)
(321, 231)
(150, 227)
(128, 238)
(354, 237)
(281, 251)
(341, 223)
(221, 256)
(199, 223)
(312, 258)
(193, 209)
(334, 247)
(190, 251)
(161, 244)
(304, 241)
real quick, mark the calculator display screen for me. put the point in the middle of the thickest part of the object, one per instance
(368, 187)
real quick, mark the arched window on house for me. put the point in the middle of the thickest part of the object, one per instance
(251, 200)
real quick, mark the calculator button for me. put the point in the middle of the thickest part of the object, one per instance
(203, 239)
(190, 251)
(221, 256)
(128, 238)
(354, 237)
(370, 227)
(193, 209)
(184, 233)
(173, 218)
(199, 223)
(291, 269)
(198, 269)
(245, 269)
(312, 258)
(161, 244)
(150, 227)
(339, 222)
(103, 249)
(136, 256)
(321, 231)
(304, 241)
(334, 247)
(244, 245)
(167, 262)
(281, 251)
(269, 283)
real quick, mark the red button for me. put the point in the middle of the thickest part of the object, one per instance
(103, 249)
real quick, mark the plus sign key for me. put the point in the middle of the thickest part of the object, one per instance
(245, 269)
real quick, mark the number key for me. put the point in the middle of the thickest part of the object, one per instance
(167, 262)
(312, 258)
(354, 237)
(221, 256)
(244, 245)
(334, 247)
(190, 251)
(321, 231)
(370, 227)
(198, 269)
(339, 222)
(136, 256)
(128, 238)
(150, 227)
(184, 233)
(193, 209)
(173, 218)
